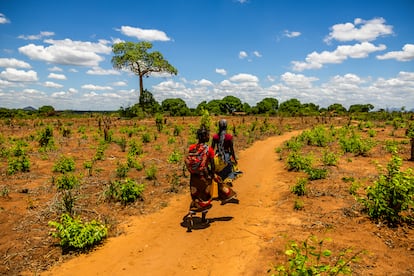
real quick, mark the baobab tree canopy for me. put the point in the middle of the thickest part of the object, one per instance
(135, 57)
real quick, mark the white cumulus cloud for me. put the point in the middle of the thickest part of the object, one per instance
(12, 74)
(56, 76)
(406, 54)
(144, 34)
(317, 60)
(15, 63)
(68, 52)
(360, 30)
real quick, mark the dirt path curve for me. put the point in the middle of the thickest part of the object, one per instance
(233, 244)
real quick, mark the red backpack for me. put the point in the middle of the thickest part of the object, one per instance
(196, 160)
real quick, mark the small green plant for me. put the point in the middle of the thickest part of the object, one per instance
(355, 144)
(177, 130)
(391, 146)
(372, 133)
(300, 187)
(135, 148)
(294, 144)
(297, 162)
(175, 157)
(132, 162)
(329, 158)
(298, 205)
(316, 173)
(159, 121)
(355, 185)
(100, 151)
(146, 137)
(171, 140)
(151, 173)
(75, 234)
(89, 166)
(311, 258)
(122, 143)
(122, 170)
(65, 183)
(46, 141)
(125, 191)
(64, 165)
(18, 164)
(392, 194)
(4, 191)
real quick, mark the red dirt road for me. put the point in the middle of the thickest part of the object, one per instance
(237, 241)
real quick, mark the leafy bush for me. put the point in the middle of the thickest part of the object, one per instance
(159, 121)
(151, 173)
(329, 158)
(75, 234)
(175, 157)
(66, 182)
(45, 139)
(125, 191)
(310, 258)
(146, 137)
(135, 148)
(300, 187)
(318, 136)
(297, 162)
(354, 144)
(294, 144)
(391, 194)
(64, 164)
(122, 170)
(316, 173)
(18, 164)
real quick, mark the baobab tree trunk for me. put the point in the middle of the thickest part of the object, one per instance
(141, 89)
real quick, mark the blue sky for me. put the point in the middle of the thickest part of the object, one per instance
(323, 52)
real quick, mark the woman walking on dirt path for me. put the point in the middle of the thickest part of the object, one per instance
(200, 182)
(225, 155)
(225, 162)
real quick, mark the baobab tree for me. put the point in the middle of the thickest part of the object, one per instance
(135, 57)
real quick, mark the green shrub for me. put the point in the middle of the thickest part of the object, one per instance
(354, 144)
(64, 164)
(122, 170)
(135, 148)
(311, 258)
(75, 234)
(125, 191)
(18, 164)
(297, 162)
(45, 139)
(298, 205)
(317, 136)
(175, 157)
(159, 121)
(392, 194)
(146, 137)
(316, 173)
(151, 173)
(66, 182)
(329, 158)
(300, 187)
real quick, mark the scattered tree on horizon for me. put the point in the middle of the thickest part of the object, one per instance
(135, 57)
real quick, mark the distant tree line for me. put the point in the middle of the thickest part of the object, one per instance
(229, 105)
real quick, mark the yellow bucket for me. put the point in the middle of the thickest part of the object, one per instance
(214, 189)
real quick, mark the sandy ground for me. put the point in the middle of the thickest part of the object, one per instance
(235, 242)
